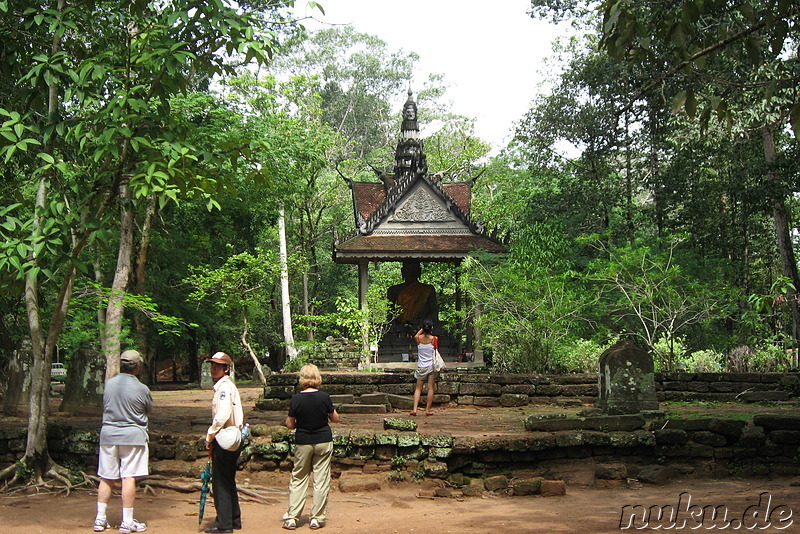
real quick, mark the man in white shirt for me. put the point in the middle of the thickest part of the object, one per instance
(226, 417)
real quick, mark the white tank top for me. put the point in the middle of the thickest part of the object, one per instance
(424, 354)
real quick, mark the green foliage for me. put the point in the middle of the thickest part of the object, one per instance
(295, 364)
(578, 356)
(769, 359)
(396, 476)
(529, 306)
(399, 462)
(418, 474)
(356, 75)
(701, 361)
(763, 310)
(650, 294)
(239, 284)
(766, 358)
(24, 471)
(676, 36)
(667, 351)
(347, 319)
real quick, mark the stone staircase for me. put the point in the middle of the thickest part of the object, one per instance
(398, 345)
(378, 403)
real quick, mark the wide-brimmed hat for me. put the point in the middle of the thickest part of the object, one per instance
(221, 358)
(131, 356)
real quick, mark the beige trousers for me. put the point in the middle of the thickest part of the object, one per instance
(308, 458)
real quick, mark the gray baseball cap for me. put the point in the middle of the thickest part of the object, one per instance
(132, 356)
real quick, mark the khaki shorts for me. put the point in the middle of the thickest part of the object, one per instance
(122, 461)
(422, 373)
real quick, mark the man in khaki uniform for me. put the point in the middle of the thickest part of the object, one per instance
(227, 418)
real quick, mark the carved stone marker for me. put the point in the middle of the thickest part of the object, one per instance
(625, 381)
(18, 381)
(83, 392)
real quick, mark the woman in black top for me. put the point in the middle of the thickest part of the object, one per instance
(309, 413)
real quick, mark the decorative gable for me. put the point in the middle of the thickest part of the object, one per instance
(421, 206)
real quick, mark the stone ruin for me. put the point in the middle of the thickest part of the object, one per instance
(626, 382)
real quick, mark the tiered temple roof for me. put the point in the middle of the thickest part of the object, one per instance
(411, 214)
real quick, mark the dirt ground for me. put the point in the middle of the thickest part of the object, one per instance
(399, 510)
(765, 505)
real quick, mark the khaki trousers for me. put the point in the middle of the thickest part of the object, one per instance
(308, 458)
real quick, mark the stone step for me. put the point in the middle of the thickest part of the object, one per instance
(400, 402)
(373, 398)
(362, 408)
(342, 399)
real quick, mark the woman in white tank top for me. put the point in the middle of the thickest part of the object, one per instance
(426, 343)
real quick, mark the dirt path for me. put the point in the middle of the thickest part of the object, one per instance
(398, 510)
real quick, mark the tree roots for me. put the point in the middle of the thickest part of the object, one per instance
(21, 477)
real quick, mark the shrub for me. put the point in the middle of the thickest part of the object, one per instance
(579, 356)
(770, 359)
(701, 361)
(293, 366)
(766, 359)
(738, 359)
(668, 352)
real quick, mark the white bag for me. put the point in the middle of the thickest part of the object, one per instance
(438, 361)
(229, 438)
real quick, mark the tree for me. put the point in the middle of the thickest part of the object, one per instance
(88, 119)
(357, 77)
(650, 294)
(530, 301)
(739, 74)
(238, 288)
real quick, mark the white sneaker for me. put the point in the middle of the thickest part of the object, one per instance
(315, 524)
(290, 524)
(133, 526)
(100, 525)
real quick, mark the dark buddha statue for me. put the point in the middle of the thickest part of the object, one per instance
(416, 300)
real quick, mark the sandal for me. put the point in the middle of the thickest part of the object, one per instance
(413, 413)
(428, 413)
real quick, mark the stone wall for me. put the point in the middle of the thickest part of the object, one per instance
(585, 449)
(336, 353)
(482, 389)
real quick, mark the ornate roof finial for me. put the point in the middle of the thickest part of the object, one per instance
(409, 156)
(409, 129)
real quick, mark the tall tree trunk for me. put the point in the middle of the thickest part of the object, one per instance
(655, 174)
(629, 182)
(139, 284)
(288, 336)
(782, 232)
(122, 275)
(251, 352)
(307, 308)
(42, 343)
(100, 278)
(36, 452)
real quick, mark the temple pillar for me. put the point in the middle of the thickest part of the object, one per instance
(460, 345)
(363, 282)
(477, 354)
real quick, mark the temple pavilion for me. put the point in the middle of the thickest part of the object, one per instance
(413, 217)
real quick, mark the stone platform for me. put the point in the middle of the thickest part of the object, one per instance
(553, 441)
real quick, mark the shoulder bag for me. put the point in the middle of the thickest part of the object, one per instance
(438, 361)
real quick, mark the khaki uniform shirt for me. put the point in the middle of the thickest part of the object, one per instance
(226, 407)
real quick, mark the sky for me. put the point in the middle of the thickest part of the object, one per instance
(491, 53)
